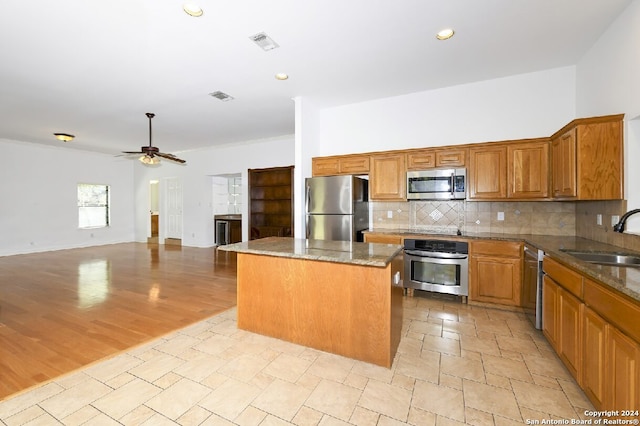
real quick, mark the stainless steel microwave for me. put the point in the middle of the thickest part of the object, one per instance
(437, 184)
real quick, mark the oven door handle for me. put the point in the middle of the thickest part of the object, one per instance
(436, 255)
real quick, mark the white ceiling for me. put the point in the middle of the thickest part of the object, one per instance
(94, 68)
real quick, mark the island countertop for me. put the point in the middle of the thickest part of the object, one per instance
(378, 255)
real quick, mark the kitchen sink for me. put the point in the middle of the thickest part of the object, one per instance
(606, 258)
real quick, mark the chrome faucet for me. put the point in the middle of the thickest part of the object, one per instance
(619, 227)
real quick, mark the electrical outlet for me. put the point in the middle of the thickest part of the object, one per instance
(599, 219)
(500, 215)
(615, 219)
(389, 214)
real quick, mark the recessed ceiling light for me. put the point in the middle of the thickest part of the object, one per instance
(281, 76)
(192, 9)
(264, 41)
(64, 137)
(445, 34)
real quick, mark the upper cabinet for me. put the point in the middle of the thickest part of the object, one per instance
(387, 177)
(582, 161)
(528, 170)
(587, 159)
(429, 158)
(487, 174)
(340, 165)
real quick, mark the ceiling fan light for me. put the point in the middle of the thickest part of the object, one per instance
(64, 137)
(147, 159)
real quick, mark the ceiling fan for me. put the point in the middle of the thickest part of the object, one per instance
(150, 152)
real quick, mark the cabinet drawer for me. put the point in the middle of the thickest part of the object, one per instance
(616, 309)
(496, 248)
(568, 279)
(383, 238)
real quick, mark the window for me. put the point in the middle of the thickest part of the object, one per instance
(93, 206)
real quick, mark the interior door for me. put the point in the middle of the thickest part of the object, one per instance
(174, 207)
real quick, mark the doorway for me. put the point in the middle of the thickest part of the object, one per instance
(154, 211)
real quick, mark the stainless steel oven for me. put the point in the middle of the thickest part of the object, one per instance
(437, 265)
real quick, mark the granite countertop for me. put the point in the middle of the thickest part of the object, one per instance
(379, 255)
(624, 279)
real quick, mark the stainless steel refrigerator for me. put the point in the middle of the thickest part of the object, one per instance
(337, 208)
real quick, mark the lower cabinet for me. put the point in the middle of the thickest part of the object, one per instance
(594, 374)
(495, 272)
(590, 339)
(622, 361)
(382, 238)
(561, 319)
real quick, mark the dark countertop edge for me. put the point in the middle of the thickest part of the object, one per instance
(379, 262)
(551, 245)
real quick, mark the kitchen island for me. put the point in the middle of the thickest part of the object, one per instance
(335, 296)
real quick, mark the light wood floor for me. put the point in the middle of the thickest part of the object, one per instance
(64, 309)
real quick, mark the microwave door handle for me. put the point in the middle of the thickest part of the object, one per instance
(453, 182)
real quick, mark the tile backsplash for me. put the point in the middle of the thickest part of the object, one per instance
(557, 218)
(533, 217)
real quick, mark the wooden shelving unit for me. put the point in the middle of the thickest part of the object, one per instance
(271, 202)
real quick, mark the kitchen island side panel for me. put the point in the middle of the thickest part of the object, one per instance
(350, 310)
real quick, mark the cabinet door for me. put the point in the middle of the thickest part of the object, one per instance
(325, 166)
(387, 180)
(550, 308)
(451, 158)
(594, 370)
(528, 170)
(563, 163)
(354, 165)
(421, 160)
(622, 371)
(488, 173)
(570, 332)
(495, 280)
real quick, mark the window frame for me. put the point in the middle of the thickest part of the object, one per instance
(83, 202)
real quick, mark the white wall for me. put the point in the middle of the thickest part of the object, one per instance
(608, 82)
(521, 106)
(197, 180)
(38, 189)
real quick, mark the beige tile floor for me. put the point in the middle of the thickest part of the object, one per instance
(456, 364)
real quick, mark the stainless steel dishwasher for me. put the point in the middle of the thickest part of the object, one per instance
(532, 284)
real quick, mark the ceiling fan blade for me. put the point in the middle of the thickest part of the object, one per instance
(132, 152)
(170, 157)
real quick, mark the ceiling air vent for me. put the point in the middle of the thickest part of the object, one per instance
(264, 41)
(221, 95)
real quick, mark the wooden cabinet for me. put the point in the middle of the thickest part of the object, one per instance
(340, 165)
(487, 174)
(562, 324)
(271, 202)
(383, 238)
(595, 333)
(495, 272)
(587, 159)
(451, 157)
(421, 160)
(387, 178)
(429, 158)
(550, 309)
(622, 362)
(528, 170)
(563, 155)
(594, 374)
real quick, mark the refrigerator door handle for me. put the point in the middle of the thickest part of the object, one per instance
(307, 199)
(306, 226)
